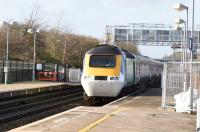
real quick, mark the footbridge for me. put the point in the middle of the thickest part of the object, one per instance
(149, 34)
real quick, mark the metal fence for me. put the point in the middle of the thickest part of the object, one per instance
(18, 71)
(178, 79)
(74, 75)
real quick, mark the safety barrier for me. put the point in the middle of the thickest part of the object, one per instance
(18, 71)
(74, 75)
(181, 87)
(180, 78)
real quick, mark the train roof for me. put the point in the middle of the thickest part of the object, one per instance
(128, 54)
(105, 49)
(148, 59)
(114, 50)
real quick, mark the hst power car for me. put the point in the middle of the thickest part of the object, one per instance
(107, 69)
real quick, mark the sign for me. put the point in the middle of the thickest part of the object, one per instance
(194, 52)
(39, 66)
(5, 69)
(193, 48)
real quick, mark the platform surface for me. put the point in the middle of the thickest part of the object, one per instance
(30, 85)
(132, 114)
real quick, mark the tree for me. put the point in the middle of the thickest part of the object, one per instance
(176, 56)
(129, 47)
(53, 44)
(76, 46)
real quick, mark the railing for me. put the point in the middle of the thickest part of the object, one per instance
(18, 71)
(181, 87)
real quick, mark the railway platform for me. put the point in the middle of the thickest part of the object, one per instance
(26, 88)
(131, 114)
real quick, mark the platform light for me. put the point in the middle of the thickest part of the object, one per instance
(34, 32)
(178, 28)
(180, 7)
(179, 21)
(7, 24)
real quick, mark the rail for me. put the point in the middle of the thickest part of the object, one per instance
(27, 106)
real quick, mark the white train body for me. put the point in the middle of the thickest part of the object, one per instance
(108, 69)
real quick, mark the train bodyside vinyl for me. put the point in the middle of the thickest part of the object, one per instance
(108, 69)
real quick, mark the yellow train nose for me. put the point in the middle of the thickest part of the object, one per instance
(102, 71)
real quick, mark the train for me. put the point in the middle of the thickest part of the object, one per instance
(108, 69)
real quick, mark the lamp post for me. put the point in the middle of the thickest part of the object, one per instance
(34, 32)
(183, 46)
(7, 24)
(181, 7)
(191, 57)
(177, 28)
(64, 52)
(64, 47)
(184, 49)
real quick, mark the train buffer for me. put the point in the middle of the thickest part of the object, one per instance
(134, 113)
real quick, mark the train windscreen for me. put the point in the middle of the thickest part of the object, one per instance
(102, 61)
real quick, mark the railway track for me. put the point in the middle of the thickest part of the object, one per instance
(128, 91)
(25, 107)
(47, 104)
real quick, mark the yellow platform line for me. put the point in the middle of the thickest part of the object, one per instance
(90, 126)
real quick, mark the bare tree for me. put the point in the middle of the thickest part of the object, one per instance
(129, 47)
(56, 44)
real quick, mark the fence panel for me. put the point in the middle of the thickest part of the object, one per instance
(13, 71)
(178, 78)
(74, 75)
(1, 71)
(18, 71)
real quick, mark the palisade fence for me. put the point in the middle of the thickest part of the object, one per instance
(18, 71)
(177, 79)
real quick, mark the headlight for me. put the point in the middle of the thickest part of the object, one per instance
(114, 78)
(88, 77)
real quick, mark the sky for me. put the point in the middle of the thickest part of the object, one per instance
(89, 17)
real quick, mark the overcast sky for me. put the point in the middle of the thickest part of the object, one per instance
(89, 17)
